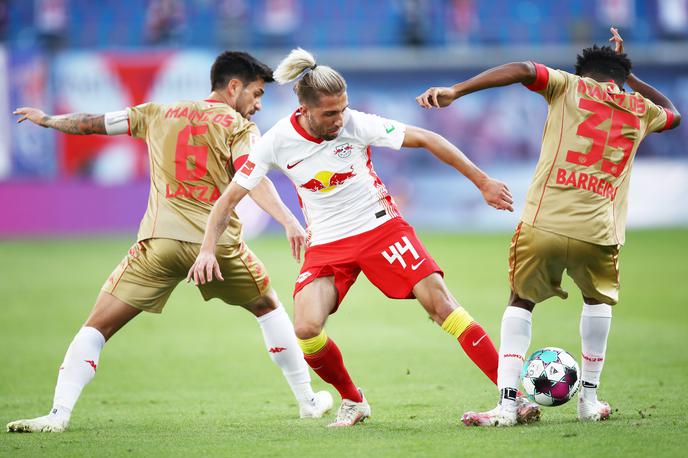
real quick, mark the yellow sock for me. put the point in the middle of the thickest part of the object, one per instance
(457, 322)
(314, 344)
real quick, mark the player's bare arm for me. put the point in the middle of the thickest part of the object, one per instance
(206, 263)
(495, 193)
(71, 123)
(265, 195)
(642, 87)
(503, 75)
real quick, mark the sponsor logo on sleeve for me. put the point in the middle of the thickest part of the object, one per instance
(247, 169)
(389, 128)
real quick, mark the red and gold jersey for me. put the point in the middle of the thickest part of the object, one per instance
(194, 149)
(592, 132)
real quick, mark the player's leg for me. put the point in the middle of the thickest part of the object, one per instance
(80, 362)
(536, 263)
(313, 303)
(436, 299)
(246, 283)
(596, 320)
(594, 269)
(285, 352)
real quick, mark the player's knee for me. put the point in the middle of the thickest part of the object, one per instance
(263, 305)
(516, 301)
(307, 330)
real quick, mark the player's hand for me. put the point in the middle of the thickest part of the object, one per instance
(497, 195)
(32, 114)
(297, 239)
(618, 41)
(203, 269)
(436, 97)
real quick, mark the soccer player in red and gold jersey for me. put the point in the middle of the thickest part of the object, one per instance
(575, 213)
(195, 147)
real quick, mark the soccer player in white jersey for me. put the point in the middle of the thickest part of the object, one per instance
(353, 223)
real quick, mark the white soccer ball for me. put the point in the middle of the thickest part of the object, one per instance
(550, 376)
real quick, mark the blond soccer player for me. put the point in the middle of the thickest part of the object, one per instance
(354, 225)
(575, 211)
(194, 147)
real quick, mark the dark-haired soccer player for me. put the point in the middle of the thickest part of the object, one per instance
(195, 147)
(575, 213)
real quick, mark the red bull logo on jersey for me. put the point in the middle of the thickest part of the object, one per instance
(326, 181)
(343, 151)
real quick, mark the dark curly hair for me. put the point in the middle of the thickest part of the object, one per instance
(239, 65)
(603, 61)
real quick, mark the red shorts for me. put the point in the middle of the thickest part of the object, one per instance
(391, 256)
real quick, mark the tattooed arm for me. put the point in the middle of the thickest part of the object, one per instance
(71, 123)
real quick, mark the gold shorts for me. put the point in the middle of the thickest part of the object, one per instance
(537, 260)
(152, 269)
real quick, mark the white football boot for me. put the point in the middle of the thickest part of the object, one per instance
(593, 410)
(351, 412)
(50, 423)
(499, 416)
(316, 407)
(526, 411)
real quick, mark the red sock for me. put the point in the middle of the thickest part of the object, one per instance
(479, 347)
(328, 364)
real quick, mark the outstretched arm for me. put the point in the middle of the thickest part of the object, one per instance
(495, 193)
(642, 87)
(265, 195)
(71, 123)
(503, 75)
(206, 263)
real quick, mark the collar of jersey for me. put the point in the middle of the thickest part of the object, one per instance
(212, 101)
(301, 130)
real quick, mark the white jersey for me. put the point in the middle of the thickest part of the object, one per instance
(339, 191)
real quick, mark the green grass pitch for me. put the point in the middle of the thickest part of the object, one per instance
(197, 380)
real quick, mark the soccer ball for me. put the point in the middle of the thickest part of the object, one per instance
(550, 376)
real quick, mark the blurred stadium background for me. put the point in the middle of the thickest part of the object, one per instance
(71, 55)
(179, 384)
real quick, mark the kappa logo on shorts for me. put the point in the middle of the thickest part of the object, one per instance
(276, 349)
(301, 278)
(397, 250)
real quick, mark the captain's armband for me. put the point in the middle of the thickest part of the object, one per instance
(117, 122)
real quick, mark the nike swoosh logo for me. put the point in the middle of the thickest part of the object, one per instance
(291, 166)
(389, 129)
(475, 343)
(416, 266)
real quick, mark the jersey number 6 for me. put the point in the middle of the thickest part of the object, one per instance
(186, 170)
(602, 138)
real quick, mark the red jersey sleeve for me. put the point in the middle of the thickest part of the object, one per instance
(541, 78)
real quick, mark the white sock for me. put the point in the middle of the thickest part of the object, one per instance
(594, 330)
(284, 350)
(514, 343)
(78, 368)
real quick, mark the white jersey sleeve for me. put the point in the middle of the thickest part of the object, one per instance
(377, 131)
(260, 161)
